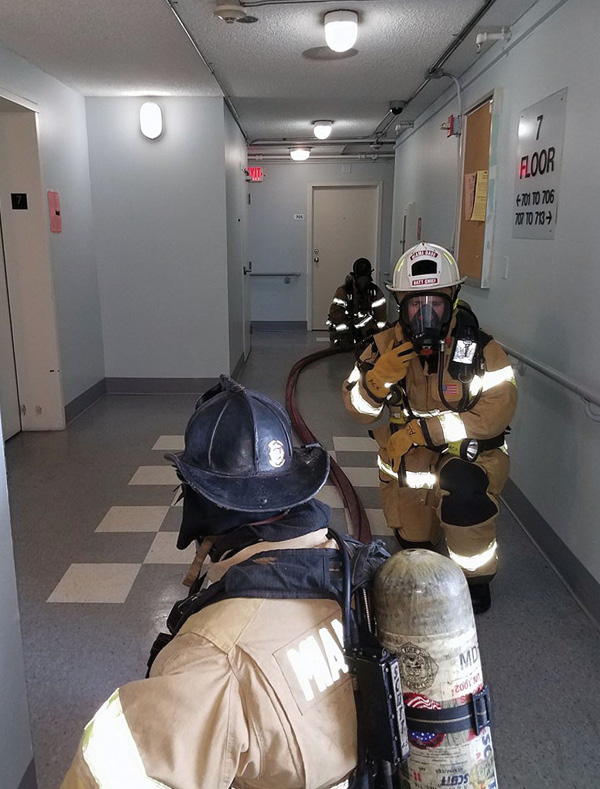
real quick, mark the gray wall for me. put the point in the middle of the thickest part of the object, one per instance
(278, 242)
(160, 237)
(237, 231)
(16, 750)
(64, 160)
(547, 307)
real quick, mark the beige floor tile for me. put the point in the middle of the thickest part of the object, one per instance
(128, 519)
(169, 443)
(362, 477)
(95, 583)
(155, 475)
(177, 502)
(354, 444)
(163, 550)
(329, 495)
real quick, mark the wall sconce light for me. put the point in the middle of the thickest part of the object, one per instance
(322, 129)
(299, 154)
(341, 30)
(151, 120)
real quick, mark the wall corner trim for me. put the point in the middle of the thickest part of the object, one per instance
(85, 400)
(238, 367)
(580, 582)
(29, 780)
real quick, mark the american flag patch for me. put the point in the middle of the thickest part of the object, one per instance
(450, 389)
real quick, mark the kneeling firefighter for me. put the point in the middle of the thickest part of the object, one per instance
(451, 393)
(250, 688)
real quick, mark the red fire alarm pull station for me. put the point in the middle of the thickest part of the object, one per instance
(54, 207)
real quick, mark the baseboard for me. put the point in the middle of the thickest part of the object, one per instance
(279, 325)
(159, 385)
(83, 401)
(584, 587)
(29, 780)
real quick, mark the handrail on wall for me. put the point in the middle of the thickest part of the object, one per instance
(589, 398)
(286, 275)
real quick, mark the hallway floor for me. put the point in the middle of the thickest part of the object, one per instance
(94, 525)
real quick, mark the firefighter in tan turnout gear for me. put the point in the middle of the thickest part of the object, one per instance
(451, 393)
(250, 688)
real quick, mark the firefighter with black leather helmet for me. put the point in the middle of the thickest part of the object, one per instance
(250, 687)
(451, 394)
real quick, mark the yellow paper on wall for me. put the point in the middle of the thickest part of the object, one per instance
(480, 204)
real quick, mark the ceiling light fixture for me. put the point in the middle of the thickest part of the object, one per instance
(322, 129)
(341, 30)
(299, 154)
(229, 12)
(151, 120)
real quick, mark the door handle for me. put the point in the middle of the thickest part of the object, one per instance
(249, 269)
(315, 260)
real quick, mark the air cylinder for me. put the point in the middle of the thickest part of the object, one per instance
(425, 617)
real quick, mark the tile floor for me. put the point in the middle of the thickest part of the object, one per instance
(95, 516)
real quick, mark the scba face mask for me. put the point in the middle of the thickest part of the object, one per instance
(426, 318)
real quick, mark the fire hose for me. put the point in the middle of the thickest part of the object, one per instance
(356, 511)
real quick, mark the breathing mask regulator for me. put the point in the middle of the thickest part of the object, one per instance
(425, 284)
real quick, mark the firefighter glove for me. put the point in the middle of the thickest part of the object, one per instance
(411, 434)
(390, 368)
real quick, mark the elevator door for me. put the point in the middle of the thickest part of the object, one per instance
(9, 394)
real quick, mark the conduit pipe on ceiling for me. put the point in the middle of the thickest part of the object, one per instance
(194, 43)
(431, 72)
(359, 157)
(313, 141)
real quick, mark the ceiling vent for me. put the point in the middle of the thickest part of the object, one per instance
(229, 12)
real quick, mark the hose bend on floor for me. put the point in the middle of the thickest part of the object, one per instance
(358, 516)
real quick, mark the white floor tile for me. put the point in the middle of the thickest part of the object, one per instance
(155, 475)
(329, 495)
(95, 583)
(169, 443)
(163, 550)
(322, 339)
(332, 454)
(354, 444)
(126, 519)
(362, 477)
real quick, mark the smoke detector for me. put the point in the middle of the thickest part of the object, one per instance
(229, 12)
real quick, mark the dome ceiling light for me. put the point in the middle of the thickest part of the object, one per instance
(322, 129)
(341, 30)
(299, 154)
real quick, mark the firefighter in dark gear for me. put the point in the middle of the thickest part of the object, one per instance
(250, 688)
(358, 309)
(451, 393)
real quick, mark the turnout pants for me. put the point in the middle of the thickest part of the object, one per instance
(442, 495)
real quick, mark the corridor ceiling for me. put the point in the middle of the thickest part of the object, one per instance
(276, 71)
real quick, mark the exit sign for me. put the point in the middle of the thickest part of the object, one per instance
(255, 174)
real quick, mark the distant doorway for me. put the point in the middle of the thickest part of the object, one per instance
(345, 226)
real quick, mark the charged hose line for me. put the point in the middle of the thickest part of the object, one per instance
(358, 516)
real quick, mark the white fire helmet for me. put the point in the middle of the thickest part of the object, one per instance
(425, 267)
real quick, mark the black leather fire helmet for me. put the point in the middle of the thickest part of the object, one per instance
(239, 453)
